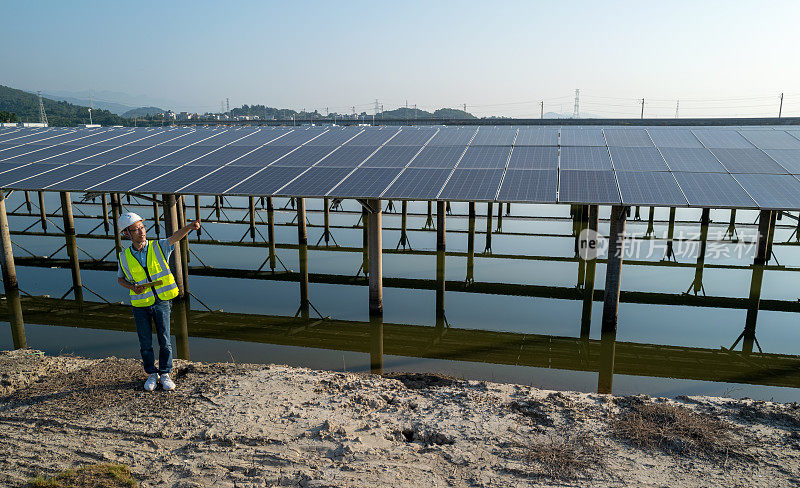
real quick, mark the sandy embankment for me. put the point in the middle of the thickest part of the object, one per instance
(268, 425)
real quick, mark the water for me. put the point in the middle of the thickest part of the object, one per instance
(661, 349)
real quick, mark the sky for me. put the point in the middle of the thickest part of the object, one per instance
(717, 58)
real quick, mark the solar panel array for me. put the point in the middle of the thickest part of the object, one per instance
(737, 167)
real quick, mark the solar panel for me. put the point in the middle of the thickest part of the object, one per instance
(722, 138)
(771, 139)
(61, 173)
(304, 156)
(181, 156)
(674, 138)
(494, 136)
(650, 188)
(180, 177)
(92, 177)
(534, 157)
(637, 159)
(452, 136)
(747, 161)
(529, 186)
(263, 156)
(297, 137)
(772, 191)
(788, 158)
(485, 157)
(265, 182)
(418, 184)
(373, 137)
(630, 137)
(348, 156)
(581, 186)
(410, 136)
(537, 136)
(438, 157)
(315, 182)
(692, 159)
(336, 136)
(571, 136)
(715, 190)
(134, 179)
(585, 158)
(472, 184)
(391, 157)
(365, 183)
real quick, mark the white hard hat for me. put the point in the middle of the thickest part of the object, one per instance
(127, 219)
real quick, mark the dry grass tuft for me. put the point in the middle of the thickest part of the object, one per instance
(562, 458)
(94, 476)
(675, 429)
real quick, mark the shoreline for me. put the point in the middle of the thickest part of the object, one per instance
(230, 424)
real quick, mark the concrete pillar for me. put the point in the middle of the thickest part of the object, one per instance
(327, 220)
(271, 233)
(115, 211)
(28, 200)
(217, 206)
(588, 286)
(759, 261)
(650, 227)
(156, 219)
(183, 247)
(375, 259)
(104, 202)
(488, 247)
(771, 235)
(10, 280)
(471, 244)
(670, 254)
(302, 240)
(440, 226)
(72, 246)
(197, 213)
(404, 225)
(42, 211)
(376, 345)
(170, 226)
(697, 284)
(499, 216)
(251, 206)
(616, 246)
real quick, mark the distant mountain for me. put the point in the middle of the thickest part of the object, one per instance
(113, 107)
(142, 112)
(59, 113)
(111, 97)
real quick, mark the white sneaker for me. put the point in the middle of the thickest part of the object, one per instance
(151, 382)
(166, 382)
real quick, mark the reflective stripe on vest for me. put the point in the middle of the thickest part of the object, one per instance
(157, 268)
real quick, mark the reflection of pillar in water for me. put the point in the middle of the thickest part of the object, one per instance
(488, 247)
(588, 287)
(10, 279)
(471, 244)
(764, 229)
(72, 246)
(302, 240)
(180, 327)
(605, 377)
(376, 287)
(271, 233)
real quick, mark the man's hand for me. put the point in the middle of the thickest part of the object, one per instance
(195, 224)
(181, 233)
(138, 289)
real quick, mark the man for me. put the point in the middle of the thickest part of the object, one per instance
(144, 270)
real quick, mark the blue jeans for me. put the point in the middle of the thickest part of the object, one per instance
(145, 317)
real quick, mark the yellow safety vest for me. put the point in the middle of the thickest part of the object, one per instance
(157, 269)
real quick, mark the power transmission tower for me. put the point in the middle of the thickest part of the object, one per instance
(228, 105)
(42, 115)
(780, 108)
(377, 106)
(677, 106)
(541, 115)
(91, 107)
(642, 109)
(576, 112)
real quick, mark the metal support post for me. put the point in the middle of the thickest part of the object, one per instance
(697, 283)
(271, 233)
(104, 202)
(326, 220)
(440, 263)
(10, 280)
(156, 223)
(488, 248)
(72, 246)
(170, 227)
(499, 217)
(375, 259)
(42, 211)
(670, 254)
(197, 213)
(471, 245)
(650, 227)
(616, 246)
(251, 205)
(28, 200)
(404, 225)
(115, 211)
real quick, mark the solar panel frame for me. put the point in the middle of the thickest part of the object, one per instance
(391, 156)
(315, 182)
(537, 136)
(571, 136)
(771, 139)
(348, 156)
(411, 137)
(749, 160)
(713, 190)
(529, 186)
(637, 159)
(482, 184)
(533, 158)
(438, 157)
(630, 137)
(264, 183)
(650, 188)
(788, 158)
(691, 159)
(418, 184)
(485, 157)
(588, 186)
(585, 158)
(452, 136)
(494, 136)
(365, 183)
(722, 139)
(304, 156)
(771, 191)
